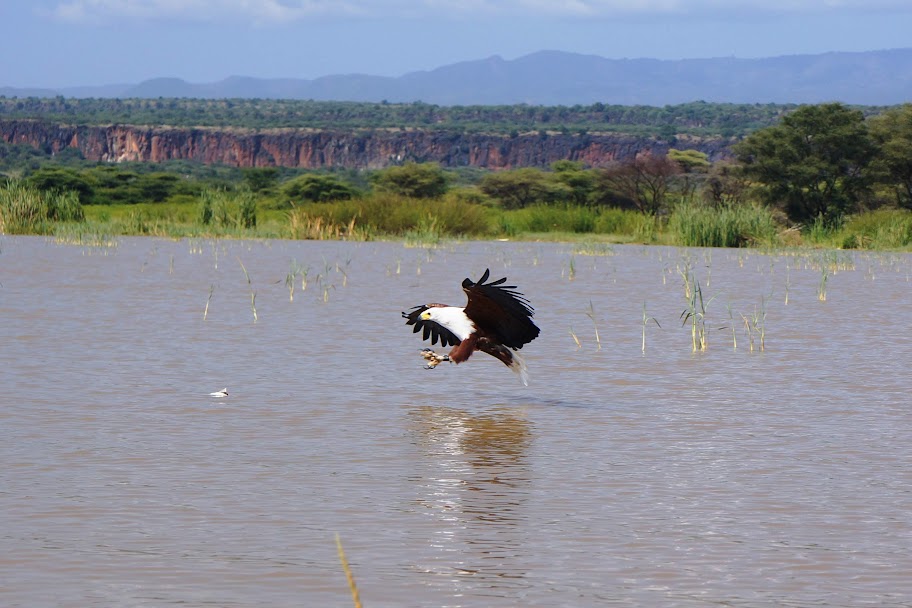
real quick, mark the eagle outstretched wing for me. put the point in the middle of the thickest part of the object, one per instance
(432, 330)
(499, 311)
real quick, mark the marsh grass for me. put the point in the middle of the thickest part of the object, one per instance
(693, 225)
(291, 279)
(695, 313)
(228, 209)
(593, 248)
(90, 234)
(760, 323)
(389, 214)
(27, 210)
(301, 225)
(621, 224)
(879, 229)
(570, 272)
(822, 283)
(426, 234)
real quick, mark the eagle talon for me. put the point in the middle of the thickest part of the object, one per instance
(432, 358)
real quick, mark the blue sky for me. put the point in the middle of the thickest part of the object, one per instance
(61, 43)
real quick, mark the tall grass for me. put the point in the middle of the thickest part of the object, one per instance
(693, 225)
(395, 215)
(880, 229)
(228, 209)
(577, 220)
(27, 210)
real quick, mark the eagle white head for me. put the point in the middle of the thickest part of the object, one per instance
(451, 317)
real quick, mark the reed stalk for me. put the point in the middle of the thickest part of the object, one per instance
(209, 299)
(788, 282)
(591, 314)
(731, 318)
(575, 339)
(750, 332)
(348, 574)
(695, 313)
(760, 323)
(252, 291)
(646, 321)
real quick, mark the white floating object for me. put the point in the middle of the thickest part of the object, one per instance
(221, 393)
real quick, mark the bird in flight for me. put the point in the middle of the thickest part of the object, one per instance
(496, 320)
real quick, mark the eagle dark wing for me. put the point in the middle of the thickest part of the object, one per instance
(432, 330)
(500, 312)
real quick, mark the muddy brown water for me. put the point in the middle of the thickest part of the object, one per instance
(617, 477)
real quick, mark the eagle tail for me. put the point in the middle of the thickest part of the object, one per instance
(518, 366)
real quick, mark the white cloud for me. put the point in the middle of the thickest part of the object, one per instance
(257, 11)
(270, 11)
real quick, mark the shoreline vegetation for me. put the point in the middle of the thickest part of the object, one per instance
(421, 222)
(824, 176)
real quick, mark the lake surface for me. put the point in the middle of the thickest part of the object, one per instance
(664, 477)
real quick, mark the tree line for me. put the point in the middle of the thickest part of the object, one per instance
(696, 118)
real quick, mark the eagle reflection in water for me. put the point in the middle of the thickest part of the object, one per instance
(473, 480)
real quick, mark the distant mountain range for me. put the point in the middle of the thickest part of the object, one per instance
(559, 78)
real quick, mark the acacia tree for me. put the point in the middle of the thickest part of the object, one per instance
(260, 179)
(416, 180)
(317, 187)
(579, 180)
(644, 181)
(725, 185)
(523, 187)
(813, 164)
(694, 165)
(892, 133)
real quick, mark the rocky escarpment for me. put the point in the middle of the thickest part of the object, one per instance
(361, 149)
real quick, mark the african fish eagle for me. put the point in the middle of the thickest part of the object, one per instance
(496, 320)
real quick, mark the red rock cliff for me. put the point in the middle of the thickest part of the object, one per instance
(312, 149)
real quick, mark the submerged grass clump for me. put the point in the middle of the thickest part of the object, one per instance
(695, 313)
